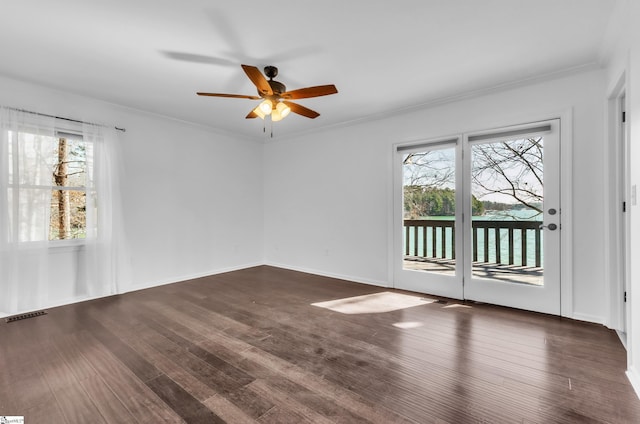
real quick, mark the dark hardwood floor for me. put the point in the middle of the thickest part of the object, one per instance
(249, 346)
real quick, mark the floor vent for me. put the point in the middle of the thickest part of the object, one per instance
(25, 316)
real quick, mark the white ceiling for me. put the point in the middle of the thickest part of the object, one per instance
(383, 56)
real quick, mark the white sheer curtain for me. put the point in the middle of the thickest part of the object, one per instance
(34, 271)
(106, 262)
(24, 215)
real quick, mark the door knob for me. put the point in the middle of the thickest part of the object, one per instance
(551, 227)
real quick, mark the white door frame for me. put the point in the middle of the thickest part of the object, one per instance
(566, 189)
(617, 261)
(547, 298)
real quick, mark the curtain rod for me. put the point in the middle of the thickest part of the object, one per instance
(64, 119)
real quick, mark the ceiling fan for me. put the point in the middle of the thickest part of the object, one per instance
(276, 99)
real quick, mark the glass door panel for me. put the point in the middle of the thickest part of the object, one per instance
(427, 214)
(512, 241)
(507, 196)
(429, 204)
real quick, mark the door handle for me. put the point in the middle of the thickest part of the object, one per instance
(551, 227)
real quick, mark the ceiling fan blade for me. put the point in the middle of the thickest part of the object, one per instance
(258, 79)
(235, 96)
(251, 115)
(301, 110)
(198, 58)
(304, 93)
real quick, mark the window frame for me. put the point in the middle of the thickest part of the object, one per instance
(14, 183)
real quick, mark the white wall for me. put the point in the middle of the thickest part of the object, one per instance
(194, 201)
(193, 196)
(327, 194)
(624, 59)
(194, 205)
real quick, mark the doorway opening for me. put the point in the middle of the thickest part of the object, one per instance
(478, 216)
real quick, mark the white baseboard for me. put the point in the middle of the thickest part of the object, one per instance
(623, 338)
(588, 318)
(147, 285)
(634, 378)
(330, 274)
(57, 303)
(177, 279)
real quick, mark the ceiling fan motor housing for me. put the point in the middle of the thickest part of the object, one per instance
(277, 87)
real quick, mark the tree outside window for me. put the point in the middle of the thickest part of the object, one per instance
(55, 169)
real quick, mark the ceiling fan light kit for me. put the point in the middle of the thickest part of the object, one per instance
(266, 107)
(275, 97)
(283, 109)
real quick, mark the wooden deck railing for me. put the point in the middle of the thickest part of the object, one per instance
(499, 242)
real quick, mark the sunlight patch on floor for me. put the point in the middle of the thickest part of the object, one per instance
(373, 303)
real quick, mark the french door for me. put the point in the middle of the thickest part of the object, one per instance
(477, 216)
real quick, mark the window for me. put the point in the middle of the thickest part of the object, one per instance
(48, 185)
(61, 228)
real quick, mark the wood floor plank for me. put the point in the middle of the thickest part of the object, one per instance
(76, 405)
(54, 368)
(249, 346)
(79, 365)
(340, 371)
(130, 331)
(210, 358)
(137, 364)
(30, 391)
(276, 397)
(189, 408)
(212, 377)
(48, 412)
(343, 397)
(107, 403)
(285, 341)
(202, 298)
(139, 400)
(226, 410)
(279, 415)
(174, 370)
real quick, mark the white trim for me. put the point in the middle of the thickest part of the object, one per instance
(634, 379)
(429, 104)
(178, 279)
(613, 221)
(587, 318)
(391, 249)
(63, 302)
(78, 299)
(123, 109)
(623, 338)
(348, 278)
(566, 202)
